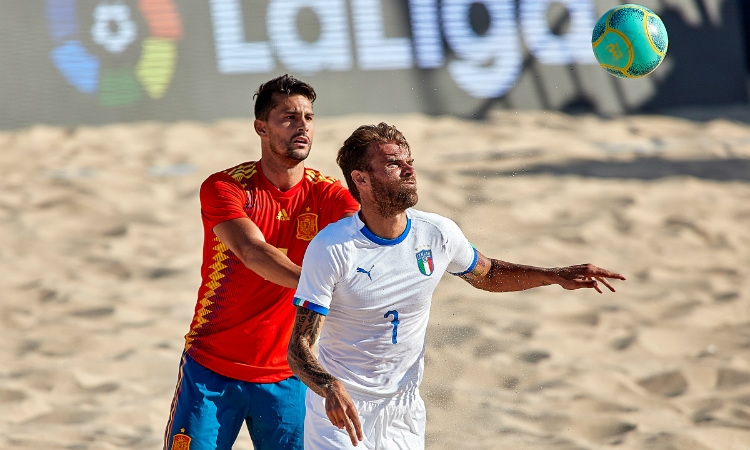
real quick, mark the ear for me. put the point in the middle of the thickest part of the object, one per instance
(260, 127)
(360, 178)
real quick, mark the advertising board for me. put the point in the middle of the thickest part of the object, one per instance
(76, 62)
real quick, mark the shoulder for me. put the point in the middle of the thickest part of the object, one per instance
(440, 230)
(241, 174)
(219, 181)
(319, 180)
(436, 226)
(337, 233)
(229, 183)
(432, 220)
(242, 171)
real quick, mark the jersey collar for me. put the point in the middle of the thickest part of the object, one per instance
(381, 241)
(276, 192)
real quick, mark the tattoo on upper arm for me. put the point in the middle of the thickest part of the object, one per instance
(478, 270)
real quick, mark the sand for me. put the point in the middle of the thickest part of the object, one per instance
(101, 240)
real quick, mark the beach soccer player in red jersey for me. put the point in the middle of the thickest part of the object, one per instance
(258, 219)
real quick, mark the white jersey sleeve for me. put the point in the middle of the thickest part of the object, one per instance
(463, 255)
(322, 268)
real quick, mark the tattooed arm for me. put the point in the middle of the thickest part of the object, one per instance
(340, 408)
(499, 276)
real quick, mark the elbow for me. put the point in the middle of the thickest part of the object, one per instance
(250, 259)
(291, 357)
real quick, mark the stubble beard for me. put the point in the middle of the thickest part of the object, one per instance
(288, 151)
(393, 200)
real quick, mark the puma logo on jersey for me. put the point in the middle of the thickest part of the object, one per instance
(367, 272)
(282, 215)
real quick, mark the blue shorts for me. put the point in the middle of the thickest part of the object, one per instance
(208, 410)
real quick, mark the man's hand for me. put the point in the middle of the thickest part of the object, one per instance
(584, 276)
(341, 411)
(500, 276)
(340, 408)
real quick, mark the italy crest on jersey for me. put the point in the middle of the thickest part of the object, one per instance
(424, 261)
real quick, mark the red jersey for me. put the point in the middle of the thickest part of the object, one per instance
(242, 323)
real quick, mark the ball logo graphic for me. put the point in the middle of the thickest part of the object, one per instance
(115, 30)
(124, 33)
(629, 41)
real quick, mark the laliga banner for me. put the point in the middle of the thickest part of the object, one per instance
(71, 62)
(485, 64)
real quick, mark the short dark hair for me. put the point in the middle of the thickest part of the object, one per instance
(353, 154)
(284, 84)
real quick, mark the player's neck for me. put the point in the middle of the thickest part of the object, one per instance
(383, 227)
(282, 175)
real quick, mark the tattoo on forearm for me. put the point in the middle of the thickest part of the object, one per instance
(301, 358)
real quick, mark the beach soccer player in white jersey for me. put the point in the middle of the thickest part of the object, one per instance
(371, 277)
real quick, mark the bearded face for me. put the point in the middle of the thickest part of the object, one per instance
(290, 128)
(393, 196)
(296, 148)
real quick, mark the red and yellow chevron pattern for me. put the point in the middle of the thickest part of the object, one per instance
(216, 274)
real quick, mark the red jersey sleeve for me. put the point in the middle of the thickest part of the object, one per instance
(340, 202)
(222, 198)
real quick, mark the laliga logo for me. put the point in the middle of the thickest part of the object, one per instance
(115, 30)
(484, 64)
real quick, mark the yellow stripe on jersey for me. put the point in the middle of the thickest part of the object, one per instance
(205, 302)
(316, 177)
(243, 171)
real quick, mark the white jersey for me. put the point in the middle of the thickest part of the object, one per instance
(376, 294)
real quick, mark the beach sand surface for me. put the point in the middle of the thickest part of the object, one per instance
(101, 248)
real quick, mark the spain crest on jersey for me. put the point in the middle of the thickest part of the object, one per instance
(307, 226)
(181, 442)
(424, 261)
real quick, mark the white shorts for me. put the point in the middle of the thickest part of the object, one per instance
(387, 424)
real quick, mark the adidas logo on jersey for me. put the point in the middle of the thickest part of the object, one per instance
(282, 215)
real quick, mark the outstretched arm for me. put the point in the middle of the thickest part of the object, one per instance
(246, 240)
(340, 408)
(499, 276)
(243, 237)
